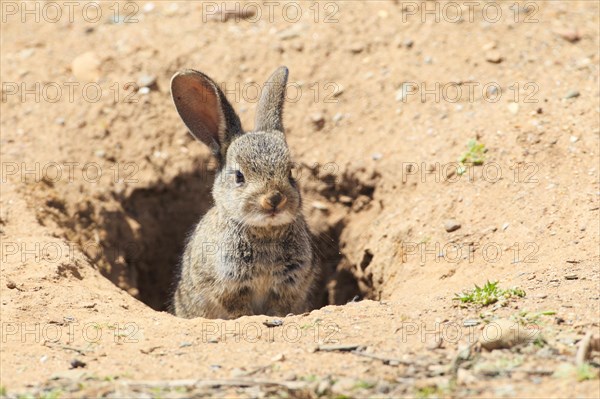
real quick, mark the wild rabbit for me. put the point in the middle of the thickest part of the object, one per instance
(251, 253)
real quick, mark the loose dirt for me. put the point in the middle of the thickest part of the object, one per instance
(101, 183)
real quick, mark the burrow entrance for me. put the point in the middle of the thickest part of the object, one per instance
(144, 237)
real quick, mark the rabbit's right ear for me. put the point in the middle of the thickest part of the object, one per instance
(205, 111)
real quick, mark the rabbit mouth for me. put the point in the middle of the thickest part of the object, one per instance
(270, 218)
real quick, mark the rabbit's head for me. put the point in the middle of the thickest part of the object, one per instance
(254, 183)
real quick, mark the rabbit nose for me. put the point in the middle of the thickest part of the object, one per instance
(273, 200)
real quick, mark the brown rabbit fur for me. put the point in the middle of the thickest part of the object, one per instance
(251, 253)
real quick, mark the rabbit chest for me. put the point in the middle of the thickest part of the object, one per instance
(265, 268)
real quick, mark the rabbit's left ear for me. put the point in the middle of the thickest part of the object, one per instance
(205, 111)
(269, 112)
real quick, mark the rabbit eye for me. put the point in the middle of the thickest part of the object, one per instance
(239, 177)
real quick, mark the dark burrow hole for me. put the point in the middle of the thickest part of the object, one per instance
(162, 217)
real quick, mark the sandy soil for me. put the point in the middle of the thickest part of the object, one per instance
(101, 183)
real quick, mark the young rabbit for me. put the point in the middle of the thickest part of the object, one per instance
(251, 253)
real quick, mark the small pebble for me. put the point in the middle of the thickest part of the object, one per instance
(278, 358)
(147, 81)
(376, 156)
(572, 94)
(320, 205)
(344, 199)
(273, 323)
(317, 120)
(513, 108)
(505, 226)
(471, 322)
(76, 363)
(494, 57)
(571, 277)
(357, 48)
(451, 225)
(570, 35)
(148, 7)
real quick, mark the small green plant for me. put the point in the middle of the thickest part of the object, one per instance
(428, 392)
(488, 294)
(53, 394)
(363, 385)
(309, 378)
(586, 372)
(473, 156)
(2, 390)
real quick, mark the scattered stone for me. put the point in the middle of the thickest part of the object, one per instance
(494, 57)
(148, 81)
(570, 35)
(573, 139)
(571, 277)
(86, 67)
(505, 226)
(185, 344)
(320, 205)
(289, 33)
(318, 120)
(76, 364)
(505, 334)
(572, 94)
(10, 284)
(148, 7)
(471, 322)
(273, 323)
(357, 48)
(408, 43)
(337, 117)
(403, 92)
(451, 225)
(26, 53)
(238, 372)
(376, 156)
(278, 358)
(513, 108)
(344, 199)
(60, 121)
(144, 90)
(337, 348)
(489, 46)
